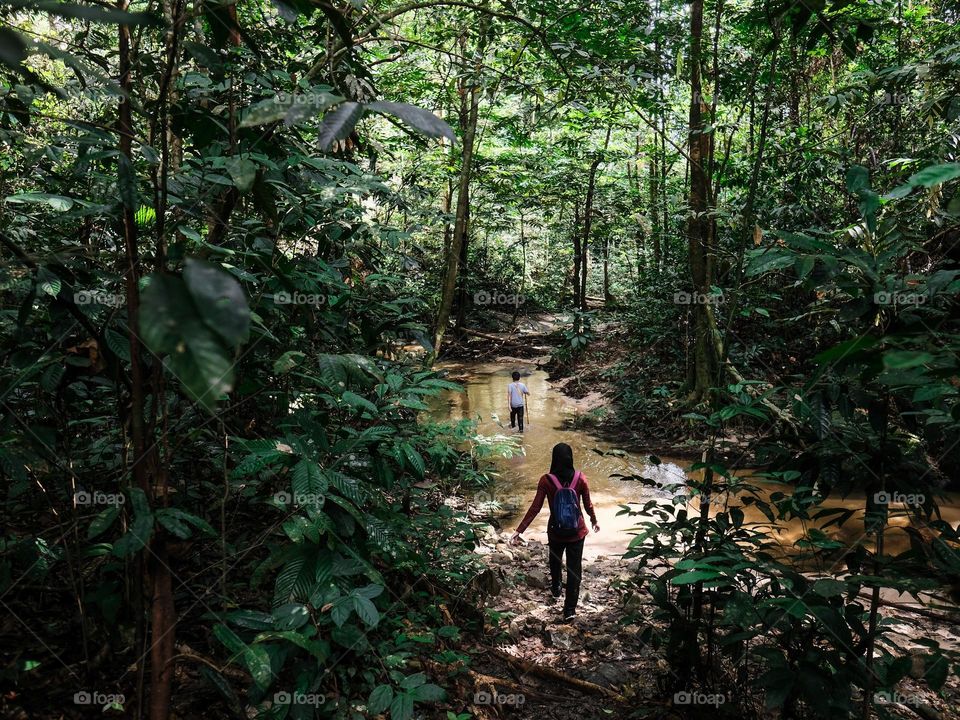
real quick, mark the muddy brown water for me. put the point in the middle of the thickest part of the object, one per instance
(549, 422)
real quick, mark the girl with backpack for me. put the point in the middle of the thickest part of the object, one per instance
(565, 488)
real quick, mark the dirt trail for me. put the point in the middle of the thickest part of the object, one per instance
(590, 667)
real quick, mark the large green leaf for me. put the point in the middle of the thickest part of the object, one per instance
(380, 699)
(57, 202)
(339, 123)
(220, 300)
(91, 13)
(418, 118)
(196, 326)
(13, 50)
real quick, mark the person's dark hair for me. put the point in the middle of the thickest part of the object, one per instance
(561, 465)
(516, 376)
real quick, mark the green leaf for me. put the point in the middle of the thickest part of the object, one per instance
(366, 610)
(48, 282)
(341, 610)
(308, 479)
(339, 123)
(243, 172)
(288, 361)
(257, 660)
(418, 118)
(93, 13)
(170, 323)
(380, 699)
(145, 215)
(360, 402)
(935, 174)
(414, 459)
(220, 300)
(413, 681)
(13, 50)
(847, 349)
(103, 520)
(222, 686)
(57, 202)
(928, 177)
(694, 576)
(291, 616)
(173, 524)
(118, 343)
(265, 111)
(858, 178)
(308, 105)
(402, 707)
(429, 693)
(231, 641)
(174, 517)
(905, 359)
(827, 587)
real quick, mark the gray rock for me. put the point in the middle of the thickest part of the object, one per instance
(501, 557)
(537, 579)
(485, 532)
(599, 642)
(610, 673)
(563, 638)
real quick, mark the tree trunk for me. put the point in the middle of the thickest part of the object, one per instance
(154, 572)
(699, 241)
(588, 222)
(577, 256)
(655, 227)
(606, 269)
(585, 242)
(469, 129)
(463, 274)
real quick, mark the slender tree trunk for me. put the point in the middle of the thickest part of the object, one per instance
(655, 227)
(587, 226)
(469, 129)
(699, 241)
(463, 275)
(156, 582)
(606, 269)
(523, 270)
(577, 255)
(588, 221)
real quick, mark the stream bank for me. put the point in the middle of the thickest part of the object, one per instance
(607, 662)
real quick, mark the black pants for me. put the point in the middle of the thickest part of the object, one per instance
(516, 415)
(574, 552)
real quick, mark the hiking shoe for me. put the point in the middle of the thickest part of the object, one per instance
(569, 615)
(555, 592)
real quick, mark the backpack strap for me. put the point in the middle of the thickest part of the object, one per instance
(560, 486)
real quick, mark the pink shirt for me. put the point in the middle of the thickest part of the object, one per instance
(547, 488)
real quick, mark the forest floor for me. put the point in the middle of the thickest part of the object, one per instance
(531, 665)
